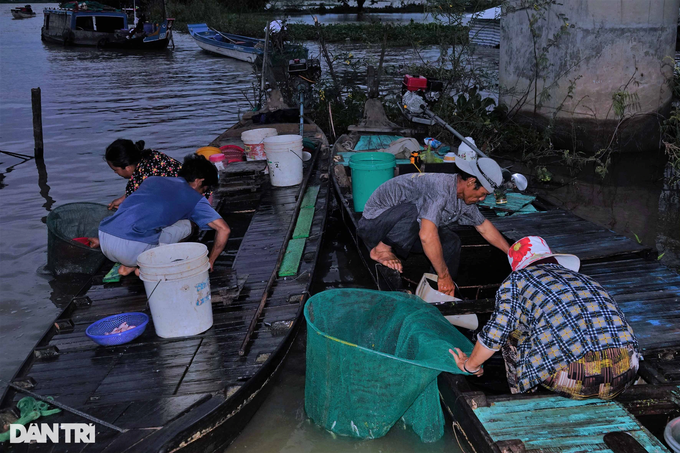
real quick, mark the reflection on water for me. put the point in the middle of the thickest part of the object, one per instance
(42, 183)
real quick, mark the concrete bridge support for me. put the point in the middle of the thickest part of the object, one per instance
(599, 71)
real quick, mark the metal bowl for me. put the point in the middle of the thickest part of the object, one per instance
(672, 434)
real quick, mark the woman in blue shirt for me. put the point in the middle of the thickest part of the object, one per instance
(159, 212)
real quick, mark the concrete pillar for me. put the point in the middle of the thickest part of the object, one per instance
(590, 52)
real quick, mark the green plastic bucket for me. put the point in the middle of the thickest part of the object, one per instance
(369, 170)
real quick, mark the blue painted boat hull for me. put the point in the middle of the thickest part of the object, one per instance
(239, 47)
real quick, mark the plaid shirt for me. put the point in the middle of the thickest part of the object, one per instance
(560, 315)
(157, 164)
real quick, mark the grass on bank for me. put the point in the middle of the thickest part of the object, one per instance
(254, 24)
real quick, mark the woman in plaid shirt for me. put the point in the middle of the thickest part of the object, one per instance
(556, 328)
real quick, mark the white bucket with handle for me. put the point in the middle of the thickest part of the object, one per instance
(430, 295)
(253, 141)
(284, 157)
(177, 285)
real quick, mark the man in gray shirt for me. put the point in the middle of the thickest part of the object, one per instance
(423, 206)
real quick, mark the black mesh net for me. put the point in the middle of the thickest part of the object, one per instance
(69, 221)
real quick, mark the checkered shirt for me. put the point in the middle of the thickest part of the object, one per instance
(560, 315)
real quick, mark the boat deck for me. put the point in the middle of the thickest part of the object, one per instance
(159, 388)
(568, 233)
(482, 409)
(648, 294)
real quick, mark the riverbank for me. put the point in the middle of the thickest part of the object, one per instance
(254, 25)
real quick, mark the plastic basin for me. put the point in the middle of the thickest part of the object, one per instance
(369, 171)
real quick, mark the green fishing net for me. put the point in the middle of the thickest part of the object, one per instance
(74, 220)
(373, 358)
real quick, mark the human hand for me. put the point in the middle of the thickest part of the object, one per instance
(115, 203)
(93, 242)
(445, 285)
(461, 358)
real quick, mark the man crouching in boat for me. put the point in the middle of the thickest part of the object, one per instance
(557, 328)
(159, 212)
(414, 212)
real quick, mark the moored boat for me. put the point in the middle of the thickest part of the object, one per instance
(194, 393)
(482, 409)
(229, 45)
(97, 25)
(23, 12)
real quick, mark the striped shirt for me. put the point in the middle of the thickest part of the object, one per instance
(560, 316)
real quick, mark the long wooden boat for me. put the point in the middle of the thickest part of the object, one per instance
(482, 410)
(226, 44)
(192, 394)
(105, 28)
(22, 12)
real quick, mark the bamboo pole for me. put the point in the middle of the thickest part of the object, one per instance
(36, 104)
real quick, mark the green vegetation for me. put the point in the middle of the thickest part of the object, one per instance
(253, 25)
(670, 130)
(417, 34)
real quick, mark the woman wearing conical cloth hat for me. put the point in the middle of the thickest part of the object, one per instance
(556, 328)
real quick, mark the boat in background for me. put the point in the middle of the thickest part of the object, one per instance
(235, 46)
(94, 24)
(23, 12)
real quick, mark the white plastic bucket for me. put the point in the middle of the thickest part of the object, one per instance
(284, 157)
(253, 141)
(430, 295)
(177, 285)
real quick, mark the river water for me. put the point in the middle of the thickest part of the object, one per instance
(176, 101)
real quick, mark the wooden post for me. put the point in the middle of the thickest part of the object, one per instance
(370, 82)
(37, 122)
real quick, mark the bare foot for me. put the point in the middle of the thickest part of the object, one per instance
(124, 270)
(382, 253)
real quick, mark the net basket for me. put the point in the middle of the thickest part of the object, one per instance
(373, 358)
(72, 220)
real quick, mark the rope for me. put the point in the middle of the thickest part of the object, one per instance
(455, 425)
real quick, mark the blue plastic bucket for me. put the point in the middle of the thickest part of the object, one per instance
(369, 171)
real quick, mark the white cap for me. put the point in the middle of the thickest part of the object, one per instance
(487, 172)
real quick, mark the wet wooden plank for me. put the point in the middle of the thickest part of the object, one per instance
(553, 422)
(568, 233)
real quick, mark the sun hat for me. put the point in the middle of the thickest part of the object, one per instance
(486, 170)
(533, 248)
